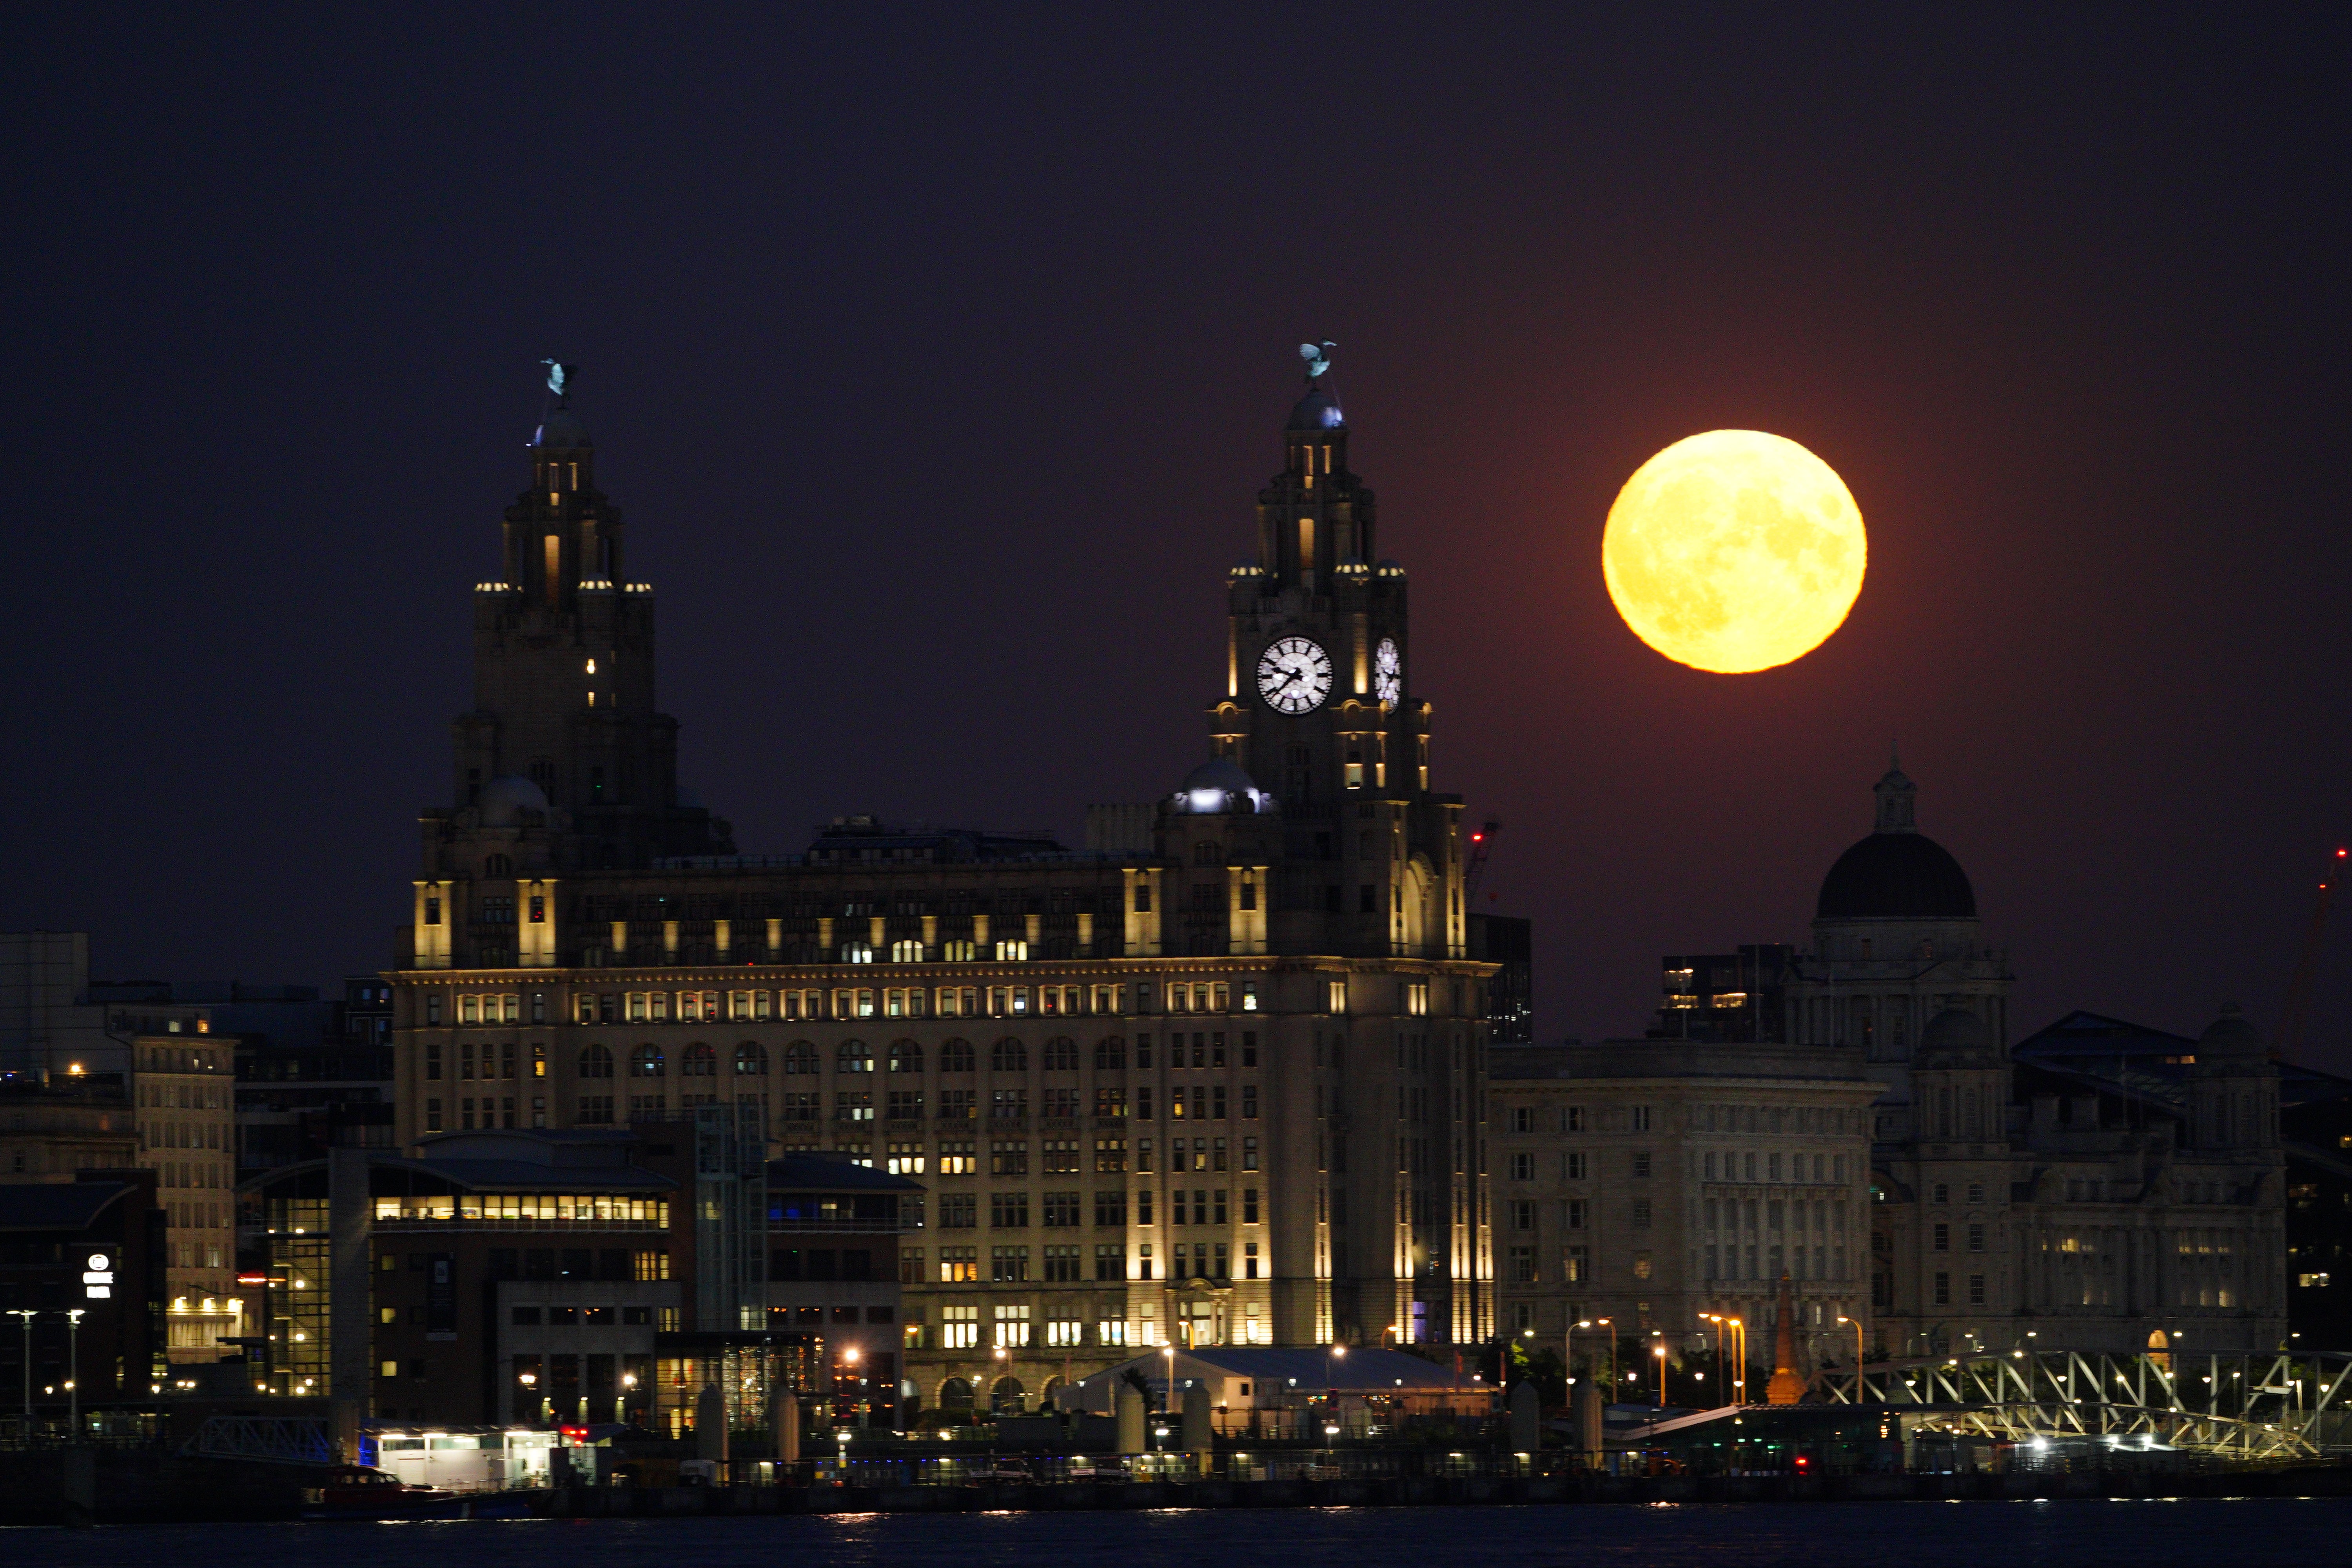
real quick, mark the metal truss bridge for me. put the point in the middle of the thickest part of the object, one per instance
(2248, 1406)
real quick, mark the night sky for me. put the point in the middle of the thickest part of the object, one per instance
(935, 357)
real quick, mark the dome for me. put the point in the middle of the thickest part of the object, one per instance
(1897, 875)
(2230, 1035)
(1220, 784)
(1319, 410)
(1952, 1033)
(505, 798)
(561, 428)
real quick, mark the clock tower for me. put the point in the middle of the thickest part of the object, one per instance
(1317, 710)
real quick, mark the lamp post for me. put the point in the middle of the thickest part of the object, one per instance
(26, 1314)
(1856, 1323)
(73, 1368)
(1738, 1329)
(1610, 1387)
(1567, 1351)
(1659, 1351)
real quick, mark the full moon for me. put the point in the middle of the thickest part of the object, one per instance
(1734, 550)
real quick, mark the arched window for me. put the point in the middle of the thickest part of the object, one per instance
(955, 1393)
(697, 1061)
(1008, 1055)
(499, 866)
(595, 1061)
(1061, 1055)
(1110, 1055)
(906, 1056)
(1006, 1398)
(857, 953)
(906, 953)
(645, 1061)
(751, 1059)
(956, 1055)
(800, 1057)
(854, 1055)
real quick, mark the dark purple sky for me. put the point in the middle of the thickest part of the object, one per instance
(936, 355)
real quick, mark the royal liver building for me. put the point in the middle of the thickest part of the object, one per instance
(1215, 1077)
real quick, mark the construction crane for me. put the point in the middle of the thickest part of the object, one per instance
(1482, 842)
(2297, 1010)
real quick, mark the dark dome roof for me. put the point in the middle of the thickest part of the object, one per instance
(1897, 875)
(1319, 410)
(2230, 1035)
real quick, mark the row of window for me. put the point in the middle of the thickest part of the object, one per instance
(1218, 997)
(1065, 1210)
(1770, 1263)
(468, 1061)
(1194, 1102)
(1064, 1264)
(1783, 1119)
(1010, 1157)
(536, 1208)
(578, 1317)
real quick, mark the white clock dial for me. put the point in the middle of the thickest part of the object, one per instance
(1294, 675)
(1388, 673)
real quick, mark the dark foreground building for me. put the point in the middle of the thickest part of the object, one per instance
(581, 1276)
(81, 1293)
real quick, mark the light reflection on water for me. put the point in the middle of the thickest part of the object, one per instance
(2282, 1533)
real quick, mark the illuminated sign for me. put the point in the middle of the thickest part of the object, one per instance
(97, 1277)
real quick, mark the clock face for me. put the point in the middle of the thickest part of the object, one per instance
(1294, 675)
(1388, 673)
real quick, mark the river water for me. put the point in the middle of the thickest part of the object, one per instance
(2260, 1533)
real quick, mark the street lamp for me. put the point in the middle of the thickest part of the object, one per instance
(1856, 1322)
(73, 1366)
(26, 1314)
(1659, 1351)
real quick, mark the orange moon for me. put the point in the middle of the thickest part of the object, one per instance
(1734, 550)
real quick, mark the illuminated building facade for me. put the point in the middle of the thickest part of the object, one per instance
(1215, 1077)
(183, 1100)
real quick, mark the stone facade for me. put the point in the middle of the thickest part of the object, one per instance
(183, 1100)
(1651, 1183)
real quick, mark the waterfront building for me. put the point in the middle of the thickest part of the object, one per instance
(2097, 1186)
(1215, 1078)
(1641, 1185)
(581, 1276)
